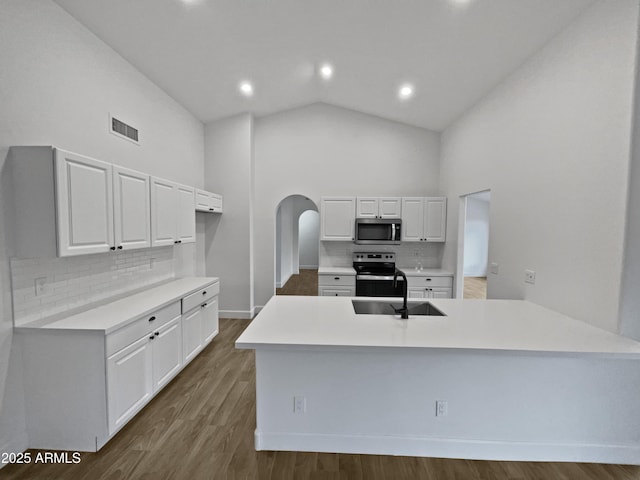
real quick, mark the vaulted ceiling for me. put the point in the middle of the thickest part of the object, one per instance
(453, 52)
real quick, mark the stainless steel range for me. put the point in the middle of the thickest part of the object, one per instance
(374, 275)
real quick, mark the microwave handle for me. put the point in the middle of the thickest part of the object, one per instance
(393, 232)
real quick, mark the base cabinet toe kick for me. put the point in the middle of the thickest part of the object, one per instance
(83, 385)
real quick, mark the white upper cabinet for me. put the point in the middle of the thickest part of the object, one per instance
(337, 218)
(208, 202)
(379, 207)
(424, 219)
(164, 212)
(132, 210)
(186, 221)
(173, 214)
(84, 204)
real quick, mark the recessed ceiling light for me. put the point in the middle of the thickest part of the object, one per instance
(405, 91)
(246, 89)
(326, 71)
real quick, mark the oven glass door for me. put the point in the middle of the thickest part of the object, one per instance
(378, 288)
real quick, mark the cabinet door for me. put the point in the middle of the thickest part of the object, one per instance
(129, 382)
(435, 219)
(338, 218)
(412, 219)
(164, 212)
(84, 204)
(441, 292)
(191, 334)
(367, 207)
(203, 200)
(132, 211)
(417, 292)
(186, 221)
(390, 207)
(167, 352)
(210, 320)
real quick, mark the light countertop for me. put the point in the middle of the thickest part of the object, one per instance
(336, 271)
(111, 316)
(409, 271)
(491, 325)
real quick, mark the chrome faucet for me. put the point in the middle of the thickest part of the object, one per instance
(404, 311)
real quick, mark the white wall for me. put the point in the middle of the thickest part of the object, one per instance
(552, 143)
(320, 150)
(476, 238)
(286, 234)
(228, 171)
(308, 237)
(57, 87)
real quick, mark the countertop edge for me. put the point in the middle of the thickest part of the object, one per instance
(42, 325)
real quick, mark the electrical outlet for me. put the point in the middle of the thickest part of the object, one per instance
(299, 404)
(39, 285)
(530, 276)
(441, 408)
(495, 268)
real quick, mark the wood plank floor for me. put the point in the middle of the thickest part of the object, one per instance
(475, 287)
(201, 427)
(304, 283)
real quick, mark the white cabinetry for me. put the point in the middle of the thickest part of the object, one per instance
(330, 285)
(379, 207)
(424, 219)
(173, 218)
(430, 286)
(208, 202)
(67, 204)
(337, 218)
(132, 210)
(86, 376)
(199, 320)
(137, 371)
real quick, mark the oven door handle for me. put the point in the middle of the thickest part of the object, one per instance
(377, 277)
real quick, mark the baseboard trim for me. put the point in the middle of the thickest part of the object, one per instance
(449, 448)
(308, 267)
(16, 445)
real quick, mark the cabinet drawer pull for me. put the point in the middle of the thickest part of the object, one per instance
(427, 279)
(203, 305)
(336, 278)
(152, 337)
(152, 319)
(204, 293)
(119, 247)
(112, 248)
(157, 334)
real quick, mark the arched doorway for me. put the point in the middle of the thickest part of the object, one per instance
(296, 246)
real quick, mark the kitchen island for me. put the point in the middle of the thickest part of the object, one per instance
(493, 379)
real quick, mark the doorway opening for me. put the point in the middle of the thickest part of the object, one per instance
(473, 251)
(297, 246)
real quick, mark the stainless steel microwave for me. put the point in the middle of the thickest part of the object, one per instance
(378, 231)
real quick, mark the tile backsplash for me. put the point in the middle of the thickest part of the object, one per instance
(408, 254)
(71, 283)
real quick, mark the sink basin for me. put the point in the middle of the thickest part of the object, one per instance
(375, 307)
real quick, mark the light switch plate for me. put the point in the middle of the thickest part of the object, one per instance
(495, 268)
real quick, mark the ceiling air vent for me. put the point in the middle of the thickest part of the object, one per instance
(118, 127)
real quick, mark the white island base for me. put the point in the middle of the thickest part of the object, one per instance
(520, 382)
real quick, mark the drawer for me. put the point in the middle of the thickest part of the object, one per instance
(337, 280)
(430, 281)
(336, 292)
(199, 297)
(127, 335)
(215, 203)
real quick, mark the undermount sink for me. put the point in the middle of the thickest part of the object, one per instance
(376, 307)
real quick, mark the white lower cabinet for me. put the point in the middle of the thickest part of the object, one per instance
(200, 321)
(82, 385)
(430, 286)
(336, 285)
(140, 369)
